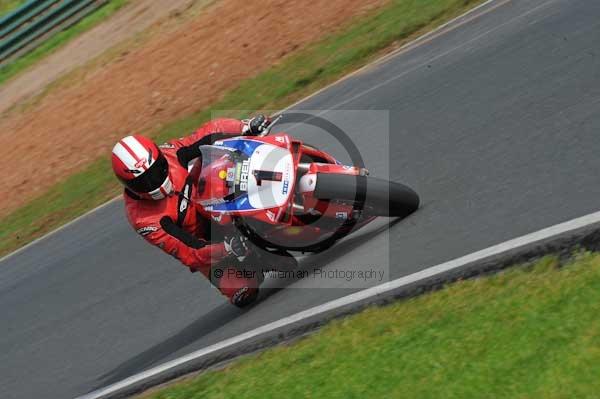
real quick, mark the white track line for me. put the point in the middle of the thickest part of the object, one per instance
(356, 298)
(441, 55)
(374, 62)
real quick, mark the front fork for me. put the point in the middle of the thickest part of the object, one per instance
(308, 182)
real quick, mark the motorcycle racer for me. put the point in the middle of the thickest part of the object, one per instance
(157, 194)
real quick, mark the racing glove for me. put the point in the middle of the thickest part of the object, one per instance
(236, 246)
(256, 125)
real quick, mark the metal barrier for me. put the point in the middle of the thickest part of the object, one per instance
(35, 21)
(21, 15)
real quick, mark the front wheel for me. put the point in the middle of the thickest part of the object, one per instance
(378, 197)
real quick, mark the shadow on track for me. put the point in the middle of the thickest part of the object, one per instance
(188, 335)
(225, 313)
(308, 264)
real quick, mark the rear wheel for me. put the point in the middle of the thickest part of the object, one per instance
(378, 197)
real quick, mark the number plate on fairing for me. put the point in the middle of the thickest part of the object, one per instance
(270, 193)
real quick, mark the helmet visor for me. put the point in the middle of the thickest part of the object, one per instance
(152, 178)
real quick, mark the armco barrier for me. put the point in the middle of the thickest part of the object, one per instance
(17, 13)
(22, 15)
(35, 21)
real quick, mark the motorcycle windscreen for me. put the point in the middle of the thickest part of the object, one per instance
(216, 174)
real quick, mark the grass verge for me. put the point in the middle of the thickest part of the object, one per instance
(60, 39)
(8, 5)
(296, 76)
(530, 332)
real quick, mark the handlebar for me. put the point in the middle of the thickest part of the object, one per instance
(267, 131)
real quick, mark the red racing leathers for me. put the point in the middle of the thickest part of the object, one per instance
(172, 223)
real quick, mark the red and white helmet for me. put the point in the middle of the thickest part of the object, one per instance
(140, 165)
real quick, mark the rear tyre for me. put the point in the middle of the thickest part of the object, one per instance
(378, 197)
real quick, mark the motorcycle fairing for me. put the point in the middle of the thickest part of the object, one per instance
(270, 158)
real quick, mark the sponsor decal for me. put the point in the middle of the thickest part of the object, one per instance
(341, 215)
(286, 180)
(231, 174)
(140, 164)
(244, 175)
(217, 218)
(183, 205)
(144, 231)
(184, 199)
(168, 146)
(271, 215)
(222, 174)
(213, 201)
(280, 139)
(239, 295)
(238, 173)
(286, 187)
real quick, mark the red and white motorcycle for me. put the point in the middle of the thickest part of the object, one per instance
(286, 195)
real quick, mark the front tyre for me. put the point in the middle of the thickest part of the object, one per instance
(378, 197)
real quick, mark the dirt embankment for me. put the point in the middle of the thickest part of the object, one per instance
(168, 77)
(125, 24)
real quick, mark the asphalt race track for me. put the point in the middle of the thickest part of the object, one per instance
(495, 123)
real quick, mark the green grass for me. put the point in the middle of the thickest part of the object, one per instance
(296, 76)
(531, 332)
(59, 39)
(8, 5)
